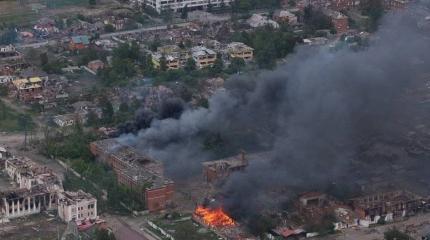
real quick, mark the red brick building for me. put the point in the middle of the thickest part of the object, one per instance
(340, 22)
(141, 174)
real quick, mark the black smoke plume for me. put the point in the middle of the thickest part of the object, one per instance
(313, 114)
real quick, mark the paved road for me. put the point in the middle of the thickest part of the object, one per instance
(122, 230)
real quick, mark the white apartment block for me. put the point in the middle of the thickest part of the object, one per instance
(177, 5)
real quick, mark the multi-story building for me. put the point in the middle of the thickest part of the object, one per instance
(182, 54)
(39, 189)
(204, 57)
(140, 173)
(388, 205)
(177, 5)
(220, 169)
(23, 202)
(240, 50)
(172, 60)
(28, 89)
(76, 206)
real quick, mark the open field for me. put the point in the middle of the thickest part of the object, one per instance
(35, 227)
(185, 229)
(10, 120)
(11, 12)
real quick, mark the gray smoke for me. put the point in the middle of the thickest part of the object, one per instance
(313, 114)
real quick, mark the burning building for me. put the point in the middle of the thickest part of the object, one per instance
(213, 216)
(137, 172)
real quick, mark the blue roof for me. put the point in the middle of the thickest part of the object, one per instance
(81, 39)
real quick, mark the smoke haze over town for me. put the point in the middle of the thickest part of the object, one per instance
(312, 114)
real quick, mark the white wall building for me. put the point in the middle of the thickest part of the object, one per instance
(177, 5)
(77, 206)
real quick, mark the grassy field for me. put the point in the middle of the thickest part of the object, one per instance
(64, 3)
(10, 120)
(11, 12)
(186, 229)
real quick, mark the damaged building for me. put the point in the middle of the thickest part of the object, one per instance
(387, 205)
(39, 189)
(24, 202)
(137, 172)
(219, 169)
(76, 206)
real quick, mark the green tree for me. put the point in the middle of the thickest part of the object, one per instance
(107, 110)
(209, 7)
(109, 28)
(163, 63)
(190, 65)
(395, 234)
(44, 59)
(315, 19)
(103, 234)
(184, 12)
(3, 91)
(167, 15)
(92, 118)
(10, 36)
(3, 110)
(236, 65)
(375, 10)
(218, 65)
(92, 2)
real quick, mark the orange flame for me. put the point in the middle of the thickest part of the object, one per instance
(214, 217)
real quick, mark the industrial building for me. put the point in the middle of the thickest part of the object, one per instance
(140, 173)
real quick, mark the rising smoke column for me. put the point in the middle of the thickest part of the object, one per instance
(312, 113)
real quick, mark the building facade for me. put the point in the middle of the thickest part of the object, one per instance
(240, 50)
(141, 174)
(77, 206)
(177, 5)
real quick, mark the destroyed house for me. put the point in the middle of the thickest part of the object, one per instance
(120, 156)
(24, 202)
(27, 174)
(76, 206)
(28, 89)
(219, 169)
(240, 50)
(390, 204)
(137, 172)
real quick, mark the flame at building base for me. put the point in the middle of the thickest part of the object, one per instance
(215, 217)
